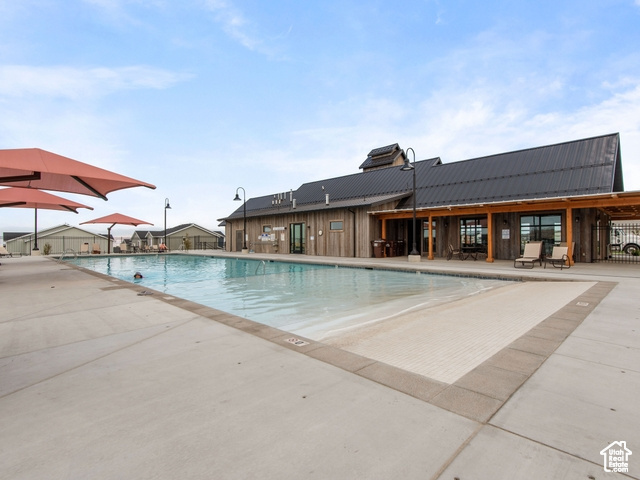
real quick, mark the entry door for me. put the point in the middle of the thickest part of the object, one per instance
(297, 238)
(239, 240)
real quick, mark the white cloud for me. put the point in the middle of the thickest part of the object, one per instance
(234, 23)
(242, 30)
(75, 82)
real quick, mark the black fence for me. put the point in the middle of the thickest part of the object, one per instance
(56, 245)
(616, 243)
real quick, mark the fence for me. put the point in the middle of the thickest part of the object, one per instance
(197, 242)
(616, 243)
(56, 245)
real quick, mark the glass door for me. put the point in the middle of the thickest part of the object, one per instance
(297, 238)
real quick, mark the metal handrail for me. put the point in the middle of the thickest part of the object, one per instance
(68, 250)
(264, 267)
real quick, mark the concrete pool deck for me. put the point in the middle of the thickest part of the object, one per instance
(98, 381)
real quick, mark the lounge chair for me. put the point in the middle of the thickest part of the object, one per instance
(4, 252)
(84, 249)
(95, 248)
(532, 254)
(454, 252)
(154, 249)
(123, 248)
(558, 258)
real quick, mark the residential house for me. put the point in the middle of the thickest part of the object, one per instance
(188, 236)
(60, 238)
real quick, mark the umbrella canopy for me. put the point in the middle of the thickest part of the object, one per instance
(34, 198)
(33, 167)
(119, 219)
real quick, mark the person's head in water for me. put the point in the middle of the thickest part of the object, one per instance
(137, 275)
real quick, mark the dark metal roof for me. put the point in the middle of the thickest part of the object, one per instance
(581, 167)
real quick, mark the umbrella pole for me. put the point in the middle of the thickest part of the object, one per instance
(109, 238)
(35, 235)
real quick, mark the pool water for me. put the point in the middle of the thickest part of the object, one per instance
(314, 301)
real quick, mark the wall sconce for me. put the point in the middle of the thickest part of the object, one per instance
(577, 219)
(505, 222)
(446, 224)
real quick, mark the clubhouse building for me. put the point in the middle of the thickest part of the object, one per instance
(569, 192)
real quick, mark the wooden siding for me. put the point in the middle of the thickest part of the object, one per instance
(361, 227)
(353, 240)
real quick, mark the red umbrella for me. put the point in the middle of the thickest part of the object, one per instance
(117, 218)
(34, 198)
(33, 167)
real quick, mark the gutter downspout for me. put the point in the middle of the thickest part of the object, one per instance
(354, 230)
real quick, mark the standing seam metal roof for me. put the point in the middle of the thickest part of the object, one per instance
(579, 167)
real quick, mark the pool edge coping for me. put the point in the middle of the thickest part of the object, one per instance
(477, 395)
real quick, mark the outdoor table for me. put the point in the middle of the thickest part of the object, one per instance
(472, 251)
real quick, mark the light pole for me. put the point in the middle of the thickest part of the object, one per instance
(405, 168)
(166, 207)
(244, 217)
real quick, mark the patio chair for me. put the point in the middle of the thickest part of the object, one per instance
(532, 254)
(95, 248)
(558, 258)
(84, 249)
(123, 248)
(4, 252)
(154, 249)
(454, 251)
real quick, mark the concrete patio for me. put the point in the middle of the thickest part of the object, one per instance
(98, 381)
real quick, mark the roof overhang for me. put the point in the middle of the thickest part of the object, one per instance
(618, 205)
(359, 202)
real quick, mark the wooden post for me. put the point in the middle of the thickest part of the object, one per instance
(489, 237)
(430, 229)
(570, 235)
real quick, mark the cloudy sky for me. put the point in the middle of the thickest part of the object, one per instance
(200, 97)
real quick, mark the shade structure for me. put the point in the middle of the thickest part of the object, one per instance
(37, 168)
(116, 219)
(36, 199)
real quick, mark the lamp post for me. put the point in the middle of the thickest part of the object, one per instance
(244, 217)
(166, 207)
(405, 168)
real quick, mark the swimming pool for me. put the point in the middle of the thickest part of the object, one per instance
(315, 301)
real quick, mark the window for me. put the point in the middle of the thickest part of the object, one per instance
(266, 229)
(545, 228)
(473, 232)
(425, 235)
(336, 225)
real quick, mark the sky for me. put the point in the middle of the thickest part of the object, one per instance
(200, 97)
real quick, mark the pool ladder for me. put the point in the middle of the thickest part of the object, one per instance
(70, 251)
(264, 267)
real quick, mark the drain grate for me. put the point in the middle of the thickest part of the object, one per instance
(297, 342)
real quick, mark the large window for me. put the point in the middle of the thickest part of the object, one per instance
(473, 232)
(545, 228)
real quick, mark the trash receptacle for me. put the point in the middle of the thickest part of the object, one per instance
(378, 248)
(391, 248)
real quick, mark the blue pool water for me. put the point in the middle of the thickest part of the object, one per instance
(311, 300)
